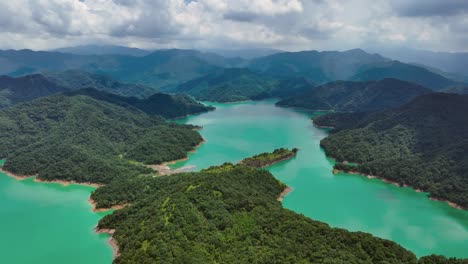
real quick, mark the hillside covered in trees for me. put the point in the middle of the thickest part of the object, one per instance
(76, 79)
(347, 96)
(78, 138)
(230, 214)
(421, 144)
(228, 85)
(27, 88)
(165, 105)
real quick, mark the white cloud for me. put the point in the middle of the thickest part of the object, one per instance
(286, 24)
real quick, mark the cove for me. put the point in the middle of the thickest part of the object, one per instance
(238, 130)
(49, 223)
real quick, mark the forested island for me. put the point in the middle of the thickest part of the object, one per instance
(421, 144)
(267, 159)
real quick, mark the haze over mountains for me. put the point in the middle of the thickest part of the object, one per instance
(165, 70)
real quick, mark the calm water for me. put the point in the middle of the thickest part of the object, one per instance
(235, 131)
(49, 224)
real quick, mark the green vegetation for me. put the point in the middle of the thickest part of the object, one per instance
(77, 138)
(267, 159)
(27, 88)
(346, 96)
(405, 72)
(165, 105)
(76, 79)
(421, 144)
(229, 85)
(229, 216)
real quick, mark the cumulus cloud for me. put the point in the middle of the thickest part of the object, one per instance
(283, 24)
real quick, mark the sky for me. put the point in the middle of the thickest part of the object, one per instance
(440, 25)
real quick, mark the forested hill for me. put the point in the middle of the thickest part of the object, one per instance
(422, 144)
(228, 85)
(15, 90)
(78, 138)
(76, 79)
(406, 72)
(346, 96)
(165, 105)
(228, 214)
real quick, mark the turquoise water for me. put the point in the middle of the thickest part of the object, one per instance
(49, 223)
(236, 131)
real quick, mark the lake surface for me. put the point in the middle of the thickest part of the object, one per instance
(48, 223)
(353, 202)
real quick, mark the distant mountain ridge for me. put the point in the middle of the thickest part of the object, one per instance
(27, 88)
(166, 69)
(103, 50)
(348, 96)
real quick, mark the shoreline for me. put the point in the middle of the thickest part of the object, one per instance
(61, 182)
(111, 241)
(397, 184)
(284, 193)
(278, 161)
(164, 166)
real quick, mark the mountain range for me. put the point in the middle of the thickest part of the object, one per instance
(348, 96)
(166, 69)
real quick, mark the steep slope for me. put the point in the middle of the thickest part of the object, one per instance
(320, 67)
(421, 144)
(76, 79)
(165, 105)
(406, 72)
(346, 96)
(229, 85)
(21, 89)
(78, 138)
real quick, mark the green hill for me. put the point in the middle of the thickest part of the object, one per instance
(228, 214)
(405, 72)
(78, 138)
(159, 69)
(165, 105)
(16, 90)
(346, 96)
(421, 144)
(319, 67)
(76, 79)
(229, 85)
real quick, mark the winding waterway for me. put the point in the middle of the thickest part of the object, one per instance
(353, 202)
(51, 223)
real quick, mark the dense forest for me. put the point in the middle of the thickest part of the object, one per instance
(347, 96)
(27, 88)
(78, 138)
(421, 144)
(165, 105)
(228, 85)
(267, 159)
(229, 214)
(76, 79)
